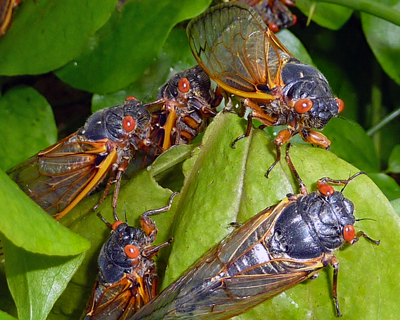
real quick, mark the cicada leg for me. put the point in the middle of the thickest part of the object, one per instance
(335, 264)
(147, 224)
(303, 188)
(315, 138)
(323, 182)
(248, 131)
(283, 137)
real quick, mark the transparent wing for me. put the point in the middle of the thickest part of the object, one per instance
(235, 47)
(57, 176)
(120, 301)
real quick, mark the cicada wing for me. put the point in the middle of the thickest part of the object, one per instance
(112, 302)
(121, 300)
(57, 176)
(234, 46)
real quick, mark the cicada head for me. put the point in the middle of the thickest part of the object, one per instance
(118, 122)
(312, 225)
(329, 215)
(190, 87)
(123, 254)
(308, 91)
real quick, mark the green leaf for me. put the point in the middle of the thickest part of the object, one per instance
(21, 218)
(174, 57)
(36, 281)
(23, 115)
(387, 184)
(122, 50)
(351, 143)
(226, 185)
(295, 47)
(396, 205)
(384, 39)
(394, 160)
(5, 316)
(46, 34)
(327, 15)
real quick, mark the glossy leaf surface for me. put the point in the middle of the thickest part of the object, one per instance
(384, 37)
(28, 112)
(47, 34)
(139, 24)
(325, 14)
(36, 281)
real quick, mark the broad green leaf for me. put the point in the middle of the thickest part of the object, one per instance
(21, 219)
(121, 51)
(6, 316)
(36, 281)
(394, 160)
(350, 142)
(174, 57)
(328, 15)
(23, 115)
(295, 47)
(387, 185)
(384, 37)
(226, 185)
(46, 34)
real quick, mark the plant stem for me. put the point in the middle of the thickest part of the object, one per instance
(383, 122)
(376, 100)
(372, 7)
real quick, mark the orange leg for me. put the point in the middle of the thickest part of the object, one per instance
(283, 137)
(315, 138)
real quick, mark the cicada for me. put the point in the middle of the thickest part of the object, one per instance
(275, 250)
(275, 13)
(60, 176)
(183, 106)
(6, 13)
(127, 277)
(238, 51)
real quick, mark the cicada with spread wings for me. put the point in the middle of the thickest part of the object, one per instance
(234, 46)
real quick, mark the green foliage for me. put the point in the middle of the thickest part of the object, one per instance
(28, 112)
(50, 270)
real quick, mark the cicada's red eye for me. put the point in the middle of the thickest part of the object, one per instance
(303, 105)
(130, 98)
(131, 251)
(349, 233)
(116, 224)
(273, 27)
(129, 123)
(340, 105)
(325, 189)
(184, 85)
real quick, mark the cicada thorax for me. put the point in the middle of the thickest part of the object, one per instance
(60, 176)
(304, 101)
(185, 103)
